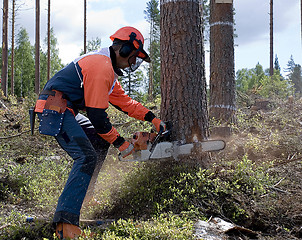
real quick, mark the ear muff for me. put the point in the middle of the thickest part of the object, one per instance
(128, 47)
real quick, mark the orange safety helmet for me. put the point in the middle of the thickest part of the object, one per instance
(125, 34)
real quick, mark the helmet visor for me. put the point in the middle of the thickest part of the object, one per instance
(141, 52)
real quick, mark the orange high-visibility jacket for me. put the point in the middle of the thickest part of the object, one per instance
(91, 81)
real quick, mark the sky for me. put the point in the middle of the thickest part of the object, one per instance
(104, 17)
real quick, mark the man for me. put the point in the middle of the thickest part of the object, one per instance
(90, 83)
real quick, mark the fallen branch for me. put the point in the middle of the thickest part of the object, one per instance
(3, 105)
(4, 226)
(17, 135)
(275, 185)
(288, 161)
(279, 190)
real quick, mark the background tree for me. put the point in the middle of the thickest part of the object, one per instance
(271, 37)
(259, 82)
(37, 49)
(85, 26)
(183, 83)
(153, 18)
(294, 75)
(93, 44)
(55, 63)
(13, 47)
(249, 80)
(48, 41)
(290, 64)
(222, 67)
(25, 65)
(4, 73)
(276, 64)
(296, 78)
(132, 83)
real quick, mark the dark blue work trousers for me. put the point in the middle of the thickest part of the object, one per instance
(88, 150)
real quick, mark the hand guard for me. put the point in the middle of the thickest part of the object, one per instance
(159, 125)
(126, 149)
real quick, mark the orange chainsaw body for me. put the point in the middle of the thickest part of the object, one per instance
(141, 140)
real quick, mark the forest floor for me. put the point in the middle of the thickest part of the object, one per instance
(255, 182)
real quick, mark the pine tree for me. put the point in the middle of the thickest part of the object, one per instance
(222, 65)
(37, 49)
(183, 86)
(12, 81)
(290, 65)
(55, 61)
(294, 75)
(296, 79)
(4, 72)
(153, 17)
(92, 45)
(132, 83)
(25, 65)
(276, 64)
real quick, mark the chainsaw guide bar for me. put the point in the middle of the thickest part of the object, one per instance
(165, 150)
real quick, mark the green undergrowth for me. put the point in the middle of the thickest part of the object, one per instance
(165, 227)
(177, 187)
(34, 182)
(158, 200)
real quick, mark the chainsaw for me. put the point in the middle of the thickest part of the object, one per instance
(152, 146)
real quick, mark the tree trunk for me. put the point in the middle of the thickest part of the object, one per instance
(222, 67)
(271, 65)
(85, 25)
(150, 88)
(12, 82)
(37, 53)
(4, 74)
(183, 83)
(48, 42)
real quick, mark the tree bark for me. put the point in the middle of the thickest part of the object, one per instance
(150, 88)
(183, 83)
(4, 74)
(48, 41)
(271, 65)
(37, 47)
(85, 26)
(13, 49)
(222, 67)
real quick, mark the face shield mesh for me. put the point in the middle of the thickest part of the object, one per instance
(133, 66)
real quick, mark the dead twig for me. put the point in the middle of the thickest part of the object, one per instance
(288, 161)
(279, 190)
(4, 226)
(17, 135)
(275, 185)
(3, 105)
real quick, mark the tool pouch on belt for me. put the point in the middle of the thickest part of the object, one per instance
(53, 114)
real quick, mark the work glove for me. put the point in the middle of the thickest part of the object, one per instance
(159, 125)
(126, 149)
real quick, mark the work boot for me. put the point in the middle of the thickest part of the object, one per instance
(67, 231)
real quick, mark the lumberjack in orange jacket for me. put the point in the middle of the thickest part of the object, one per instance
(90, 82)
